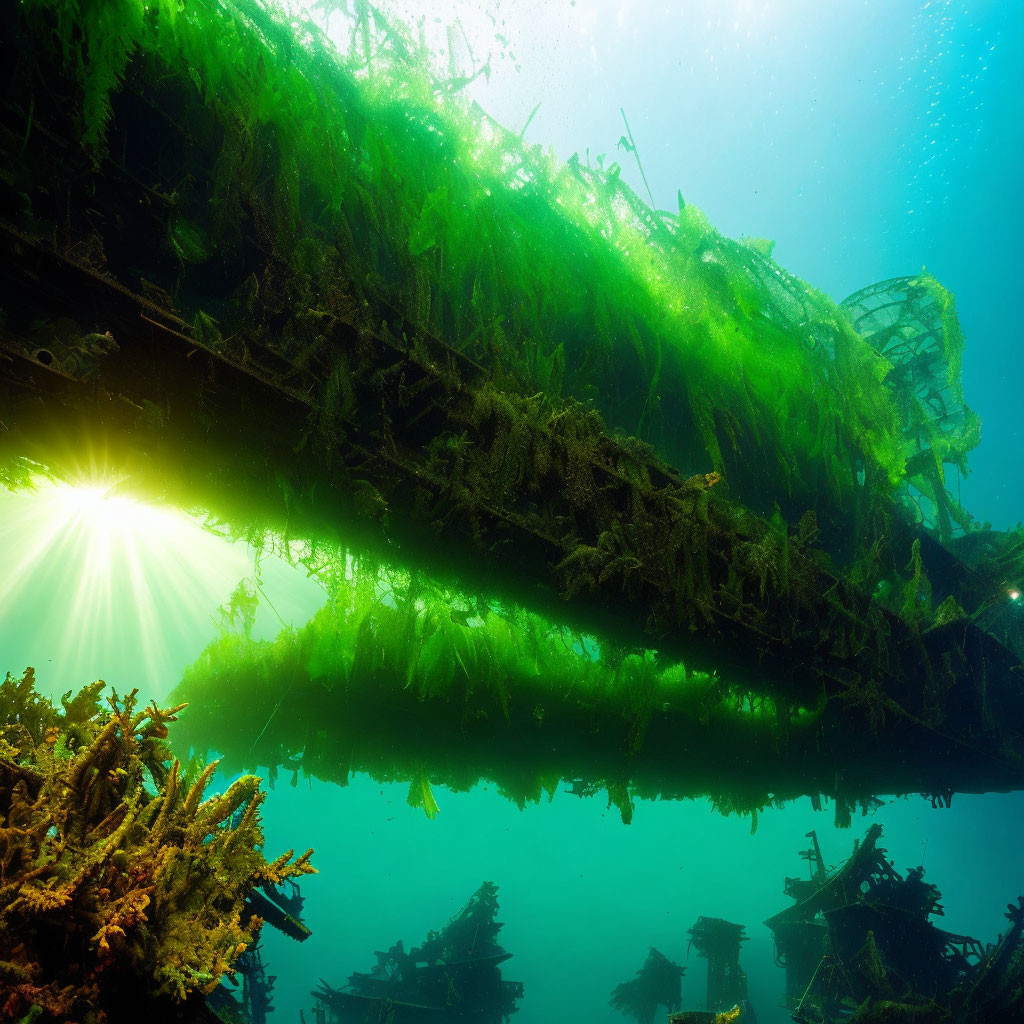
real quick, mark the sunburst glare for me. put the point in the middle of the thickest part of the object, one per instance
(97, 584)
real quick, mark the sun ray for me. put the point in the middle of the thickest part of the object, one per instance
(90, 571)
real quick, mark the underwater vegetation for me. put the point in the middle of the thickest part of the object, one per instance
(497, 371)
(123, 887)
(469, 689)
(366, 180)
(403, 679)
(413, 204)
(733, 1016)
(597, 495)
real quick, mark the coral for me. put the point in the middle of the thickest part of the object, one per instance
(118, 881)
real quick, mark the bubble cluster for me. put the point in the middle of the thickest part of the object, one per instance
(944, 80)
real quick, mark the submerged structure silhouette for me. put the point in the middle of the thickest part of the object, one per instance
(453, 977)
(248, 999)
(718, 942)
(657, 984)
(861, 939)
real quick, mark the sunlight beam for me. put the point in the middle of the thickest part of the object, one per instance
(91, 572)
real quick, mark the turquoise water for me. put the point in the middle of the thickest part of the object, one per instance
(867, 140)
(582, 895)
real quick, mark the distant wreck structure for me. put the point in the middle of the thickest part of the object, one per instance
(657, 983)
(252, 1002)
(718, 942)
(246, 997)
(453, 977)
(860, 940)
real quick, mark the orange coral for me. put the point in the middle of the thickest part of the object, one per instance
(118, 881)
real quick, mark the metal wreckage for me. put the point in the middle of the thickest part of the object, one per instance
(659, 982)
(859, 944)
(453, 976)
(597, 494)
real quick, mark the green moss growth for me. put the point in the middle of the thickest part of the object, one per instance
(588, 315)
(556, 276)
(408, 681)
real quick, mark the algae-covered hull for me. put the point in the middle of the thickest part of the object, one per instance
(594, 498)
(324, 413)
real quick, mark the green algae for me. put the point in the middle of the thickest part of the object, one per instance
(554, 276)
(913, 324)
(405, 680)
(316, 205)
(366, 175)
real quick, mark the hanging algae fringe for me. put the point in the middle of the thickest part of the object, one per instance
(117, 897)
(409, 682)
(556, 276)
(413, 215)
(626, 529)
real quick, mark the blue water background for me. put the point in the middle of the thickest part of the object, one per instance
(867, 139)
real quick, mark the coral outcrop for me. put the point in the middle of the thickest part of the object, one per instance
(122, 890)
